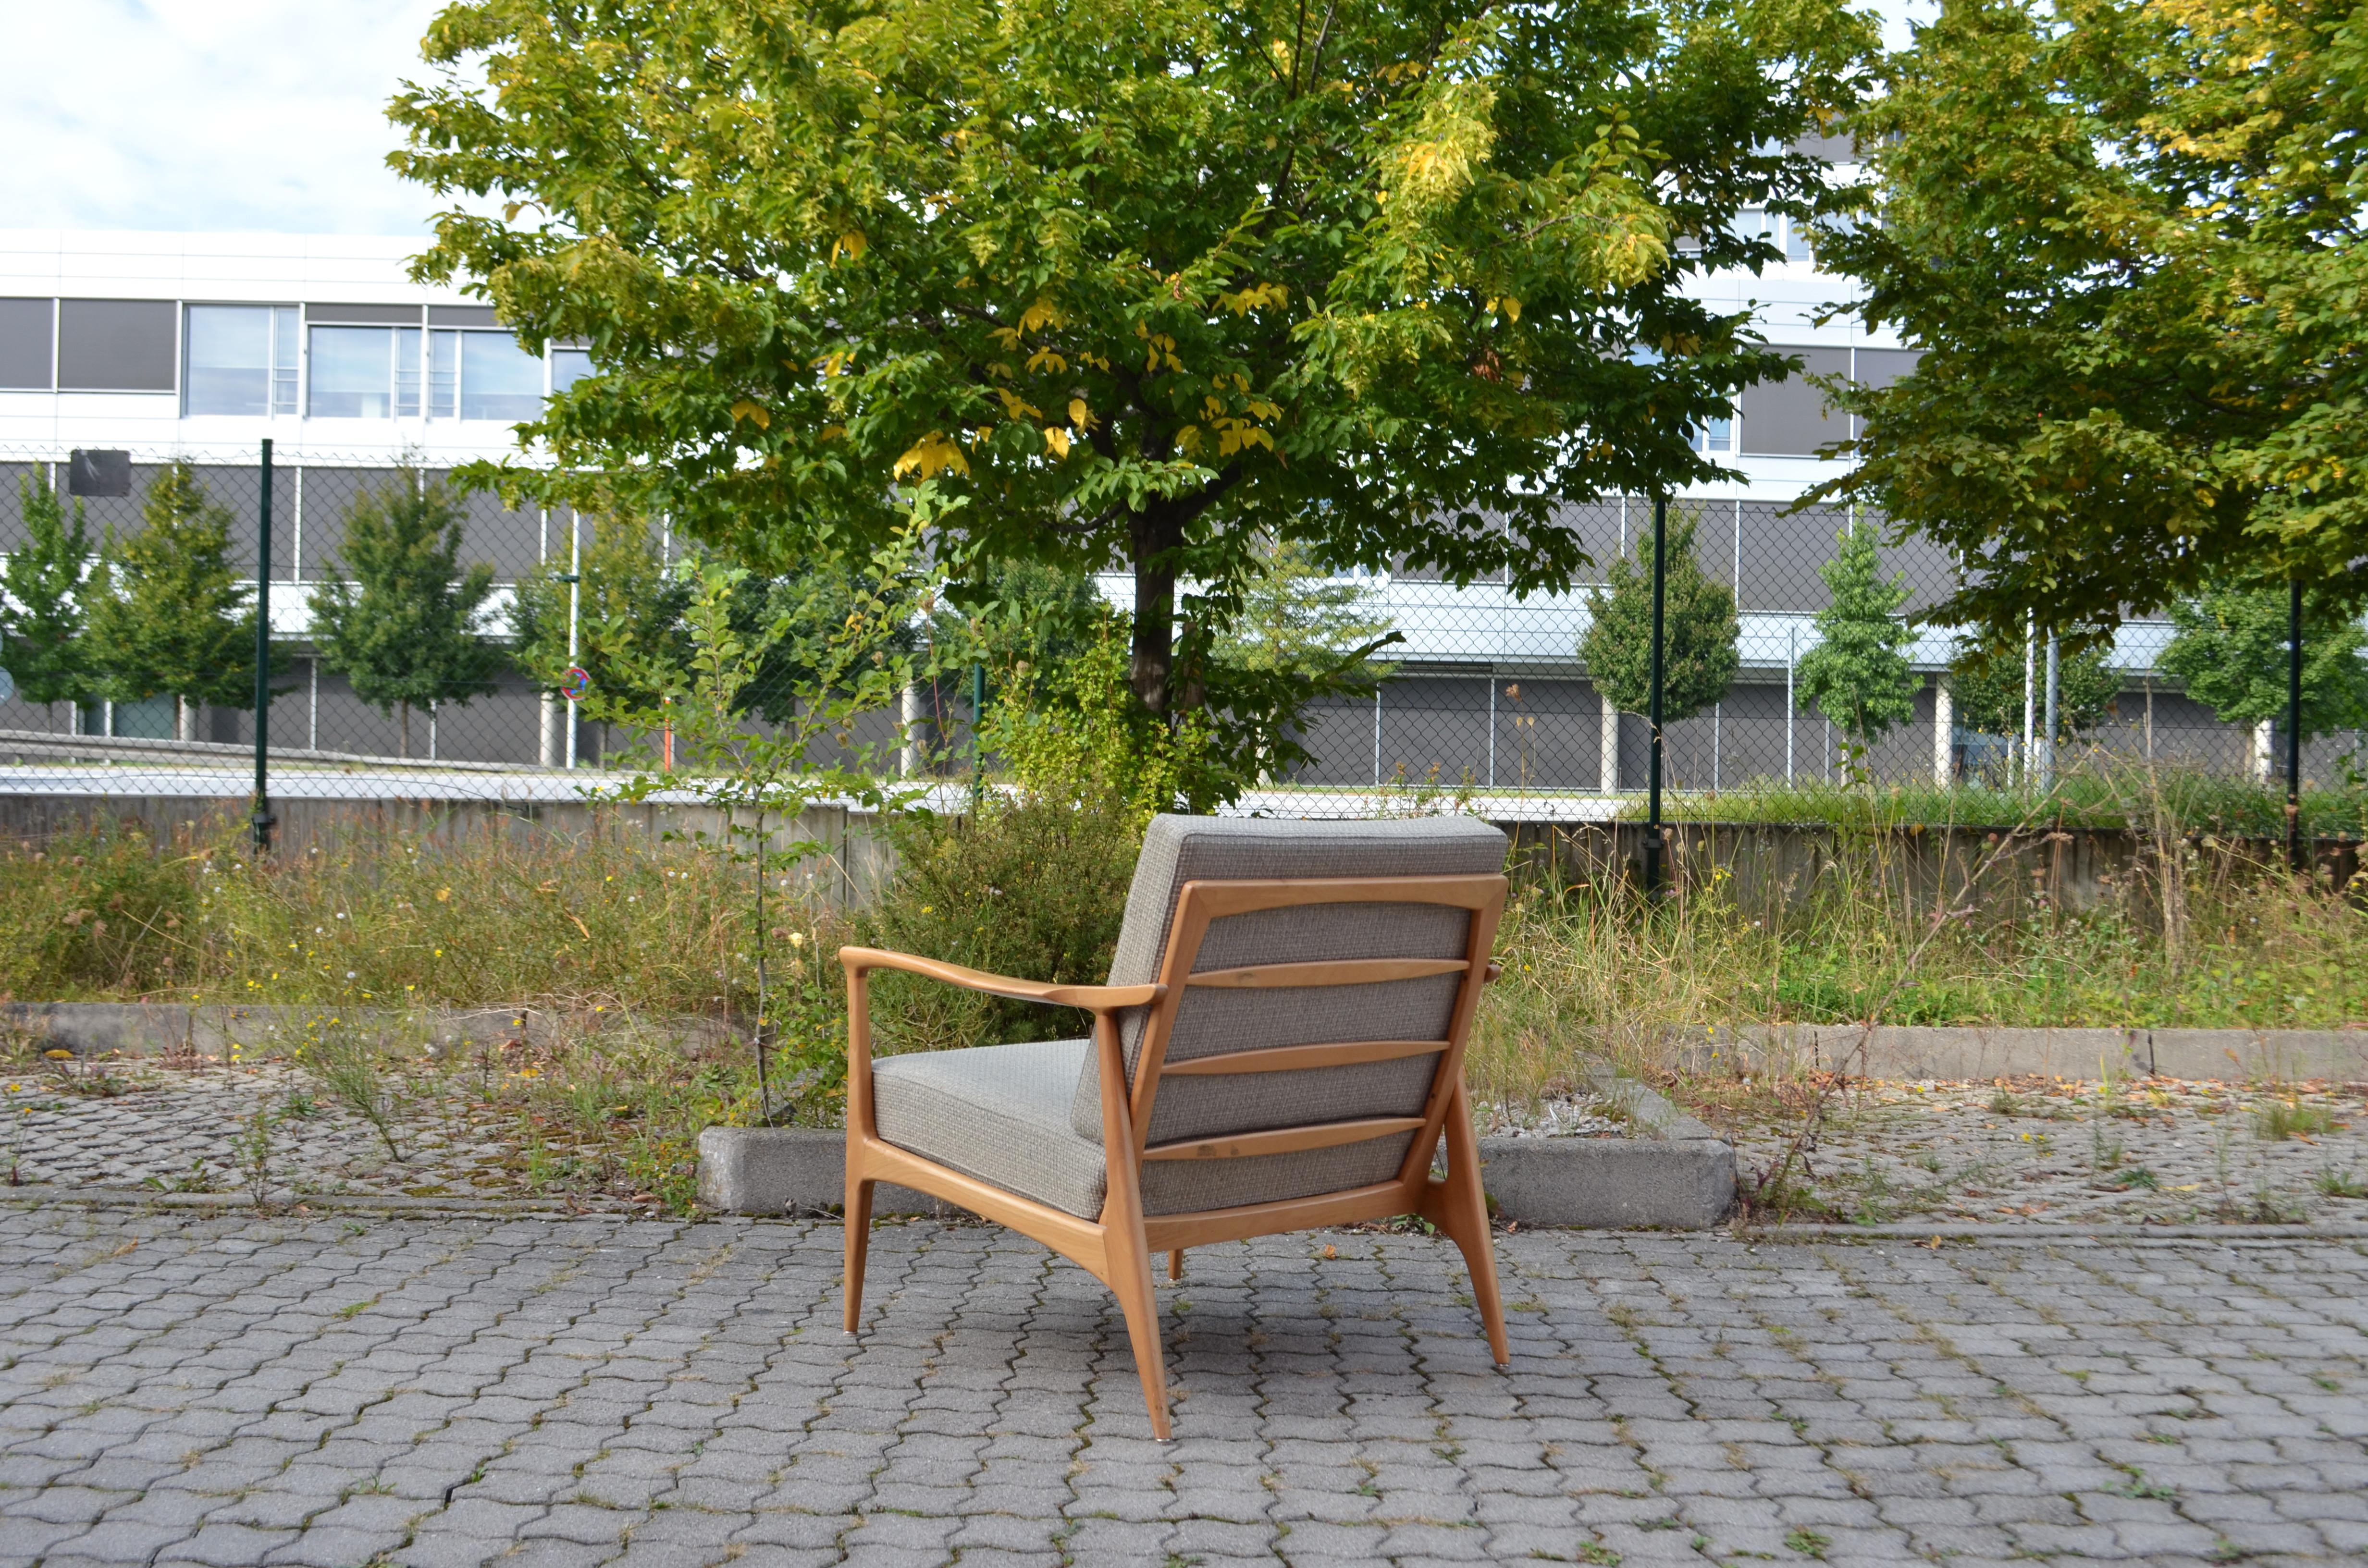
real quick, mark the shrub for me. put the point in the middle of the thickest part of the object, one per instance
(1034, 886)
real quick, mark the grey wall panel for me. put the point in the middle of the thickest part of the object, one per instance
(511, 540)
(12, 509)
(1789, 417)
(1549, 734)
(1340, 738)
(361, 315)
(117, 345)
(26, 344)
(330, 496)
(1434, 730)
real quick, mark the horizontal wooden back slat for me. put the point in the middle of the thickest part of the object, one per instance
(1283, 1139)
(1299, 1058)
(1329, 971)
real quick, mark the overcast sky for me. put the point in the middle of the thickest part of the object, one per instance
(227, 114)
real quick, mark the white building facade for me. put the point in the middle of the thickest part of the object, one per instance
(197, 347)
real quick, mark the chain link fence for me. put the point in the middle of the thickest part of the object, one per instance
(1500, 698)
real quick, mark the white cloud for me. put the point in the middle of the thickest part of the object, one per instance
(207, 115)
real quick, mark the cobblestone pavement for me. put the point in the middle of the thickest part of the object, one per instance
(433, 1392)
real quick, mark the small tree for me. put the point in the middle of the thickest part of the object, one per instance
(628, 620)
(167, 613)
(1299, 619)
(42, 615)
(403, 631)
(1698, 630)
(1858, 674)
(1985, 688)
(2230, 648)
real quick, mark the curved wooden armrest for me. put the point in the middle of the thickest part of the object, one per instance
(1099, 998)
(1494, 973)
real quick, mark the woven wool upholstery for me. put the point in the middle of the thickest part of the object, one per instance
(996, 1112)
(1213, 1022)
(1000, 1113)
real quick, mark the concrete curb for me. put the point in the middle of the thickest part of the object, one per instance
(1979, 1052)
(1674, 1176)
(1945, 1051)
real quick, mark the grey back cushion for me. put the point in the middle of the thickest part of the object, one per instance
(1211, 1022)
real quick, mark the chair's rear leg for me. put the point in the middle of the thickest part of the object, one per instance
(859, 1244)
(1176, 1263)
(1463, 1215)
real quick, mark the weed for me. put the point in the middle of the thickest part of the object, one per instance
(253, 1147)
(2281, 1119)
(2333, 1183)
(1809, 1543)
(2135, 1178)
(344, 1060)
(1596, 1552)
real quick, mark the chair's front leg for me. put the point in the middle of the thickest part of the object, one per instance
(1459, 1206)
(1128, 1254)
(861, 1130)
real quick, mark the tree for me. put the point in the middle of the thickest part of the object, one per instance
(1985, 689)
(167, 613)
(1153, 282)
(1698, 630)
(1300, 621)
(41, 614)
(403, 631)
(2230, 648)
(1858, 674)
(630, 607)
(2126, 236)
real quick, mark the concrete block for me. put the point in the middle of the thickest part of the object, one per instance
(1674, 1174)
(790, 1170)
(1610, 1183)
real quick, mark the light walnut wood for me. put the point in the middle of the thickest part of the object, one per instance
(1459, 1207)
(1283, 1139)
(863, 959)
(1328, 972)
(1354, 1205)
(1300, 1058)
(1130, 1254)
(1116, 1247)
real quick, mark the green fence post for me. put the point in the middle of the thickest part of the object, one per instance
(261, 820)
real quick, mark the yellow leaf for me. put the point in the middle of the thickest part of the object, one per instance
(1017, 407)
(1044, 357)
(1056, 440)
(1079, 415)
(929, 455)
(1512, 308)
(755, 415)
(1007, 335)
(852, 243)
(1187, 440)
(1040, 313)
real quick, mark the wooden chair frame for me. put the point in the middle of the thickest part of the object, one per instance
(1116, 1247)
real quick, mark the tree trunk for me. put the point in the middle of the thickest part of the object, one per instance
(185, 718)
(406, 730)
(1152, 538)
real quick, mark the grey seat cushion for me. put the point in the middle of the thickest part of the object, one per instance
(996, 1112)
(1000, 1113)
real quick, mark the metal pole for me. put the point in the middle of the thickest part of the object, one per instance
(1653, 775)
(574, 602)
(261, 819)
(2055, 704)
(2295, 857)
(977, 721)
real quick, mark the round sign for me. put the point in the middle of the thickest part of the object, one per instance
(578, 682)
(8, 685)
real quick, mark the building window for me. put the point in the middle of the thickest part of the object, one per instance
(354, 371)
(569, 366)
(499, 379)
(1716, 434)
(242, 359)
